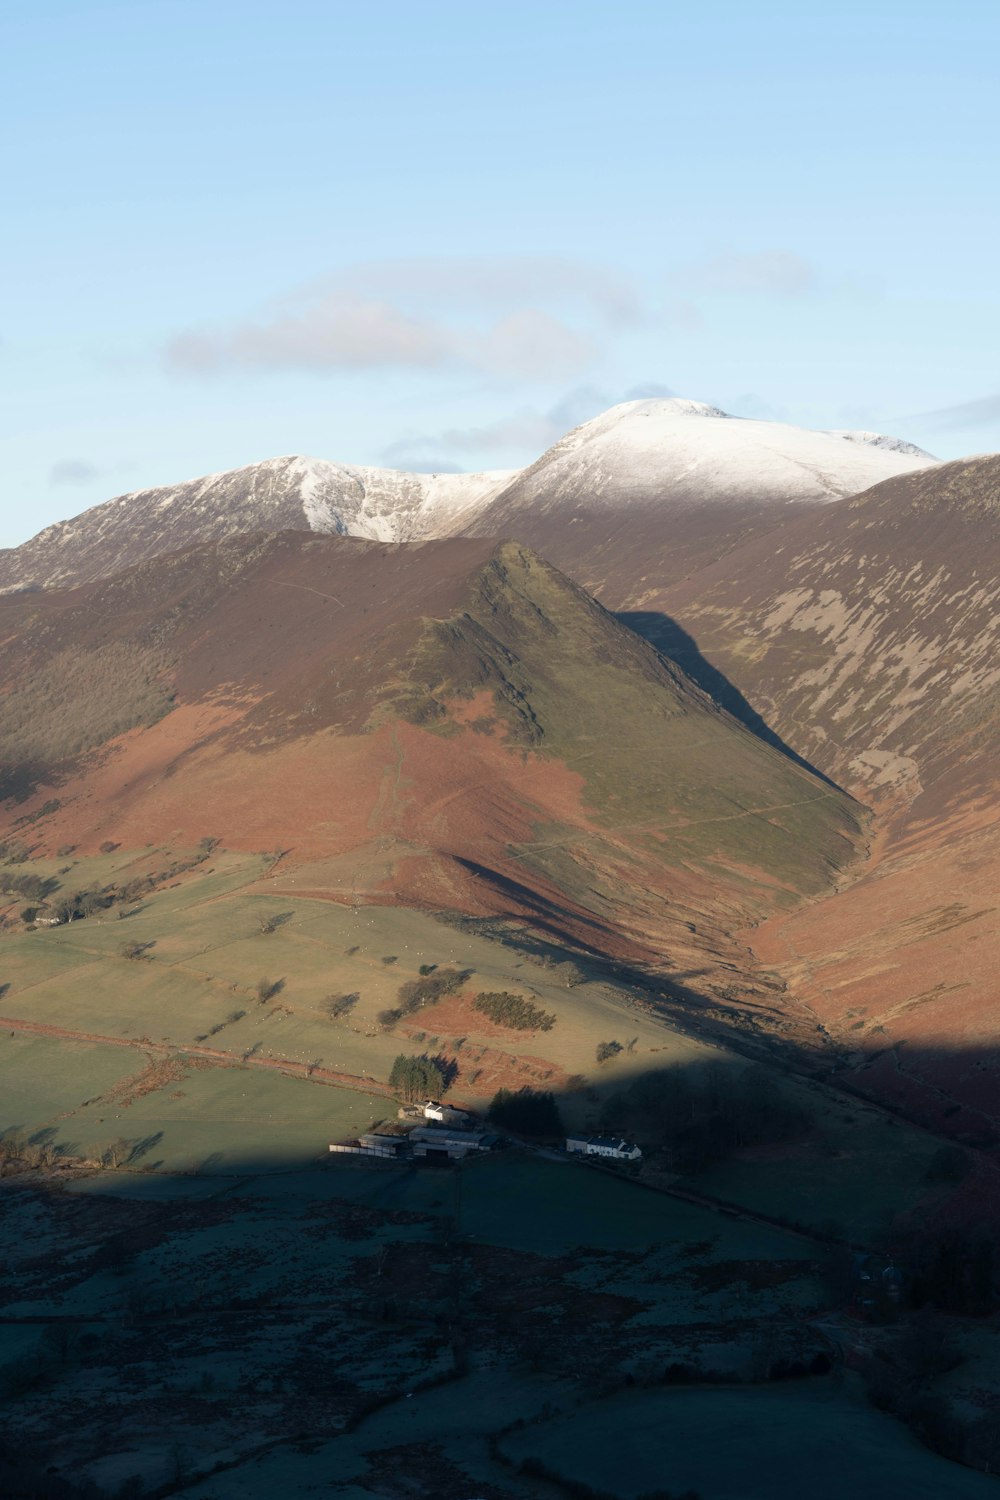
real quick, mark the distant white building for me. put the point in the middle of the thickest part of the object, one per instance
(603, 1145)
(445, 1114)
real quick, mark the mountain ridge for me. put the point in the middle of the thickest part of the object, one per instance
(436, 726)
(758, 471)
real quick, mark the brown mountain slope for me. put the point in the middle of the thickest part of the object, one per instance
(868, 635)
(448, 725)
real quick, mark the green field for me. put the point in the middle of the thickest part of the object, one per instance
(207, 953)
(81, 1099)
(196, 987)
(43, 1082)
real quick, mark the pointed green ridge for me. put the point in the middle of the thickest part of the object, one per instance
(658, 757)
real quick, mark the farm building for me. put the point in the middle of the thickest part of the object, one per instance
(376, 1141)
(434, 1141)
(446, 1114)
(603, 1145)
(373, 1144)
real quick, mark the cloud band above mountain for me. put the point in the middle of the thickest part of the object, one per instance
(516, 317)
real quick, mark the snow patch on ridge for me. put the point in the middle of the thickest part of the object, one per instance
(883, 440)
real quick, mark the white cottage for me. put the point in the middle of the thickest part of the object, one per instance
(603, 1145)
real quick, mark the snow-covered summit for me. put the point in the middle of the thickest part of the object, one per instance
(687, 452)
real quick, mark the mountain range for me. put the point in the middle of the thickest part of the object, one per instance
(675, 464)
(724, 703)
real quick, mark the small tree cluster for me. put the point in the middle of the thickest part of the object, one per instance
(135, 951)
(266, 989)
(423, 991)
(339, 1006)
(416, 1078)
(273, 920)
(429, 988)
(606, 1050)
(31, 887)
(515, 1011)
(528, 1112)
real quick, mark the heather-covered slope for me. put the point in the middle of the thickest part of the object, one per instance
(452, 725)
(868, 636)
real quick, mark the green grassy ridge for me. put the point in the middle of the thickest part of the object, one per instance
(656, 754)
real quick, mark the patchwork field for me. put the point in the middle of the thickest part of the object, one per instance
(204, 954)
(338, 1328)
(325, 1297)
(227, 1310)
(213, 1044)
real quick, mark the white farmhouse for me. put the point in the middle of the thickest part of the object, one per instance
(446, 1114)
(603, 1145)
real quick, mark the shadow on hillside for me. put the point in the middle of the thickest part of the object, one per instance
(329, 1292)
(747, 1021)
(673, 642)
(695, 1110)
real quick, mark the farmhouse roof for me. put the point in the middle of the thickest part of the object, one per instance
(612, 1142)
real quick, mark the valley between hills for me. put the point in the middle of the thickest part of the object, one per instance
(647, 794)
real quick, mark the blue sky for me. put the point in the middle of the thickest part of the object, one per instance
(437, 234)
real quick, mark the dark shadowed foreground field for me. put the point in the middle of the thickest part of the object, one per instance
(519, 1326)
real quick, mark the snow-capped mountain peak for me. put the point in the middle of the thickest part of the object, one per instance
(668, 458)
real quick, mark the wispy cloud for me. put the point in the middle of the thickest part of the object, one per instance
(500, 281)
(329, 335)
(521, 435)
(966, 414)
(519, 317)
(767, 273)
(340, 335)
(74, 471)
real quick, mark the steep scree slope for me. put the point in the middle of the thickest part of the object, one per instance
(868, 635)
